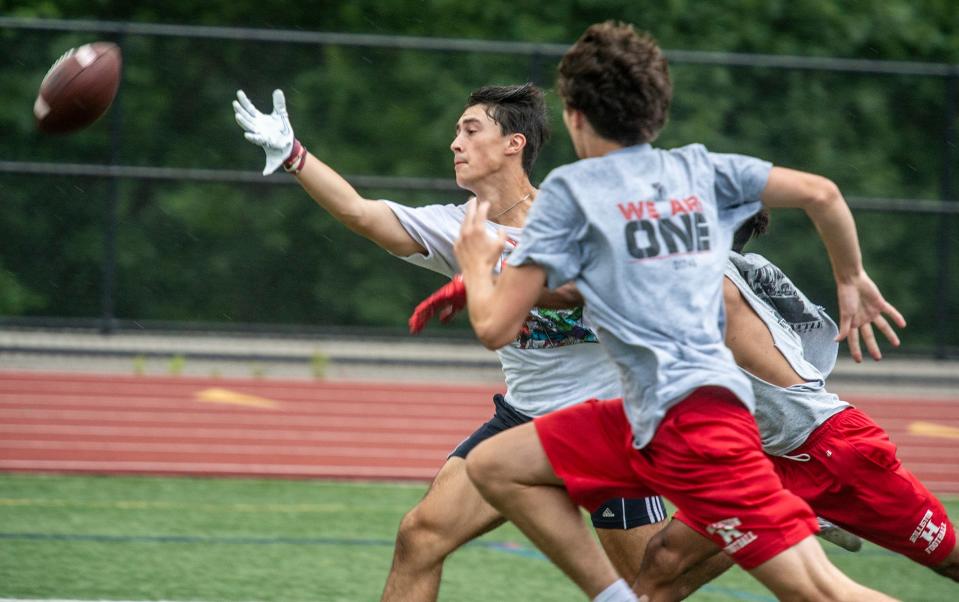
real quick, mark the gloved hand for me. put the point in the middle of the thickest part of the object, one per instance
(448, 300)
(272, 132)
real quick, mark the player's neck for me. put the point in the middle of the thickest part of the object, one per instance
(595, 145)
(510, 199)
(587, 142)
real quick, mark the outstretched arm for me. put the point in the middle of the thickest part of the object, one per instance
(274, 134)
(861, 305)
(369, 218)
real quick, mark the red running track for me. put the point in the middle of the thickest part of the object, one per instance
(201, 426)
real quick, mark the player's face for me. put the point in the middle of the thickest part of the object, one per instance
(479, 148)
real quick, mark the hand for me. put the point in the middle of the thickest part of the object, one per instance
(272, 132)
(476, 251)
(861, 306)
(448, 299)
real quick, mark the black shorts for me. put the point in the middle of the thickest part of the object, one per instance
(618, 513)
(504, 417)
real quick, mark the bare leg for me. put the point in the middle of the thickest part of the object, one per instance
(627, 547)
(450, 514)
(679, 561)
(803, 573)
(950, 567)
(512, 472)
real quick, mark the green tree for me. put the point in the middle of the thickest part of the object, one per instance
(265, 253)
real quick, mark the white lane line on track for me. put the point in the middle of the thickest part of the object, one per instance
(207, 468)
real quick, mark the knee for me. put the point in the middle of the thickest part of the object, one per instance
(486, 468)
(950, 567)
(661, 564)
(419, 535)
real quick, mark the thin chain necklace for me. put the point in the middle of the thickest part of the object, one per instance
(510, 208)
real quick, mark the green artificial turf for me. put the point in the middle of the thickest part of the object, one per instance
(192, 539)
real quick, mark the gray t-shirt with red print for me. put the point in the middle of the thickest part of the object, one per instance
(645, 234)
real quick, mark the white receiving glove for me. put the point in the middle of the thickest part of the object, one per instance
(272, 132)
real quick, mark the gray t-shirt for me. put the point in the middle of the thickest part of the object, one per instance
(804, 334)
(556, 360)
(645, 234)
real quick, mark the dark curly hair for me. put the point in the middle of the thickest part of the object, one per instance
(619, 79)
(755, 226)
(518, 110)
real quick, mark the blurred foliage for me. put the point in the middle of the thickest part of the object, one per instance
(262, 253)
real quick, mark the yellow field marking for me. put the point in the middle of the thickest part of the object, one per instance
(217, 395)
(931, 429)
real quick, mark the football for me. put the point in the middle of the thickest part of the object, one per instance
(78, 88)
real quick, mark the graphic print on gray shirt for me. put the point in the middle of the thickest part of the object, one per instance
(810, 321)
(555, 361)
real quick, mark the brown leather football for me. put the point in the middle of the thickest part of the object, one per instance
(78, 88)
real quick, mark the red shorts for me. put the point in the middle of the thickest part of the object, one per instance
(849, 473)
(705, 457)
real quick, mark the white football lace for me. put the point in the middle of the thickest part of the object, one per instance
(65, 56)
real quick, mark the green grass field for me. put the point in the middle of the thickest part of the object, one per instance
(126, 538)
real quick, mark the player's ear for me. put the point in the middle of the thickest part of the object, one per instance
(515, 143)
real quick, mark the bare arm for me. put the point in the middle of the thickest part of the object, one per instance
(751, 342)
(564, 297)
(820, 198)
(861, 305)
(371, 219)
(274, 134)
(496, 308)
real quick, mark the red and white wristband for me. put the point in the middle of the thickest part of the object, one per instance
(297, 159)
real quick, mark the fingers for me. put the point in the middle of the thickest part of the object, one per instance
(244, 121)
(255, 138)
(470, 213)
(845, 321)
(279, 102)
(854, 349)
(894, 314)
(475, 218)
(886, 330)
(416, 323)
(240, 113)
(861, 309)
(869, 339)
(481, 212)
(447, 313)
(425, 311)
(475, 249)
(246, 104)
